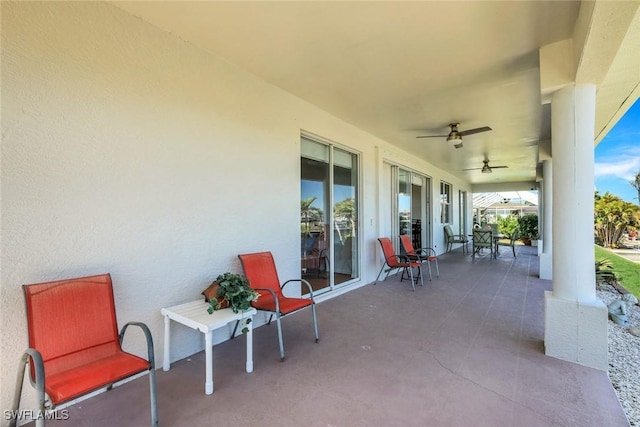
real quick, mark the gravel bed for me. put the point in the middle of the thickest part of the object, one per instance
(624, 358)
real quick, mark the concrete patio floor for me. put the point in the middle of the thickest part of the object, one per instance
(464, 350)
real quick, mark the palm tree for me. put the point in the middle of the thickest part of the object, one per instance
(636, 184)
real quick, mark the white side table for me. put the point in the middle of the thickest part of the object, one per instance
(194, 315)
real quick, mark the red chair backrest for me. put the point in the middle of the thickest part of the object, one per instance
(389, 253)
(260, 271)
(67, 318)
(407, 245)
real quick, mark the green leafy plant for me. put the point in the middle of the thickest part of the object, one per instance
(528, 226)
(604, 272)
(508, 225)
(235, 289)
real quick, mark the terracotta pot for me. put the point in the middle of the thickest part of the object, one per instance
(211, 292)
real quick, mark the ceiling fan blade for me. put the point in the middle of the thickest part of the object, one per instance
(472, 169)
(432, 136)
(476, 130)
(499, 167)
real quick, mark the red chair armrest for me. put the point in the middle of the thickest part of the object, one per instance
(273, 294)
(147, 335)
(308, 285)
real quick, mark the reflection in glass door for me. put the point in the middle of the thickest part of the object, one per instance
(412, 207)
(345, 216)
(328, 215)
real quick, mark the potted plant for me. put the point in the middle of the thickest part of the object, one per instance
(230, 290)
(528, 228)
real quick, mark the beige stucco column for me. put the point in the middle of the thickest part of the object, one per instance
(575, 319)
(546, 257)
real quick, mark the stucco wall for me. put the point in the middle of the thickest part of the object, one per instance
(127, 150)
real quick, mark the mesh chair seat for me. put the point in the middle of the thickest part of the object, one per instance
(92, 374)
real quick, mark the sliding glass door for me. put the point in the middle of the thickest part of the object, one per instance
(412, 206)
(328, 215)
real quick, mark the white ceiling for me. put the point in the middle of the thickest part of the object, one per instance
(397, 69)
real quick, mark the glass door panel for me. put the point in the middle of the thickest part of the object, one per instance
(404, 202)
(417, 197)
(345, 216)
(314, 200)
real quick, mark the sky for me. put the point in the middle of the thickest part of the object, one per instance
(617, 157)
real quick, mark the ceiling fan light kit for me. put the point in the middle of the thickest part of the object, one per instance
(486, 168)
(454, 140)
(455, 137)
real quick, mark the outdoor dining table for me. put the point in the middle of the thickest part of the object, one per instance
(496, 238)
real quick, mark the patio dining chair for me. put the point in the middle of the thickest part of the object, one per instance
(394, 262)
(508, 242)
(451, 238)
(482, 239)
(74, 345)
(421, 255)
(260, 270)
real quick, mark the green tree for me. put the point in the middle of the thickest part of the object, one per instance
(636, 184)
(613, 216)
(309, 214)
(345, 211)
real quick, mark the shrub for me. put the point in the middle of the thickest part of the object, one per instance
(604, 272)
(528, 226)
(508, 225)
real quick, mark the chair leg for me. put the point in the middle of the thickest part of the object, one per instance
(18, 389)
(413, 284)
(315, 321)
(235, 329)
(280, 342)
(429, 266)
(437, 269)
(154, 399)
(34, 357)
(379, 273)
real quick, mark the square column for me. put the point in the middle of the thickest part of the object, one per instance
(575, 319)
(546, 257)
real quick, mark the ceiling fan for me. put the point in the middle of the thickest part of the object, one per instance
(455, 136)
(486, 168)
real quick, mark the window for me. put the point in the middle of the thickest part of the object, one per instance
(445, 202)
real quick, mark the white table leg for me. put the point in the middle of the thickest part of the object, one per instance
(250, 346)
(208, 352)
(166, 363)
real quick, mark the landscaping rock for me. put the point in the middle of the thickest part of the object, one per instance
(624, 356)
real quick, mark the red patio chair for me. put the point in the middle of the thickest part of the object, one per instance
(260, 270)
(393, 261)
(421, 255)
(74, 345)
